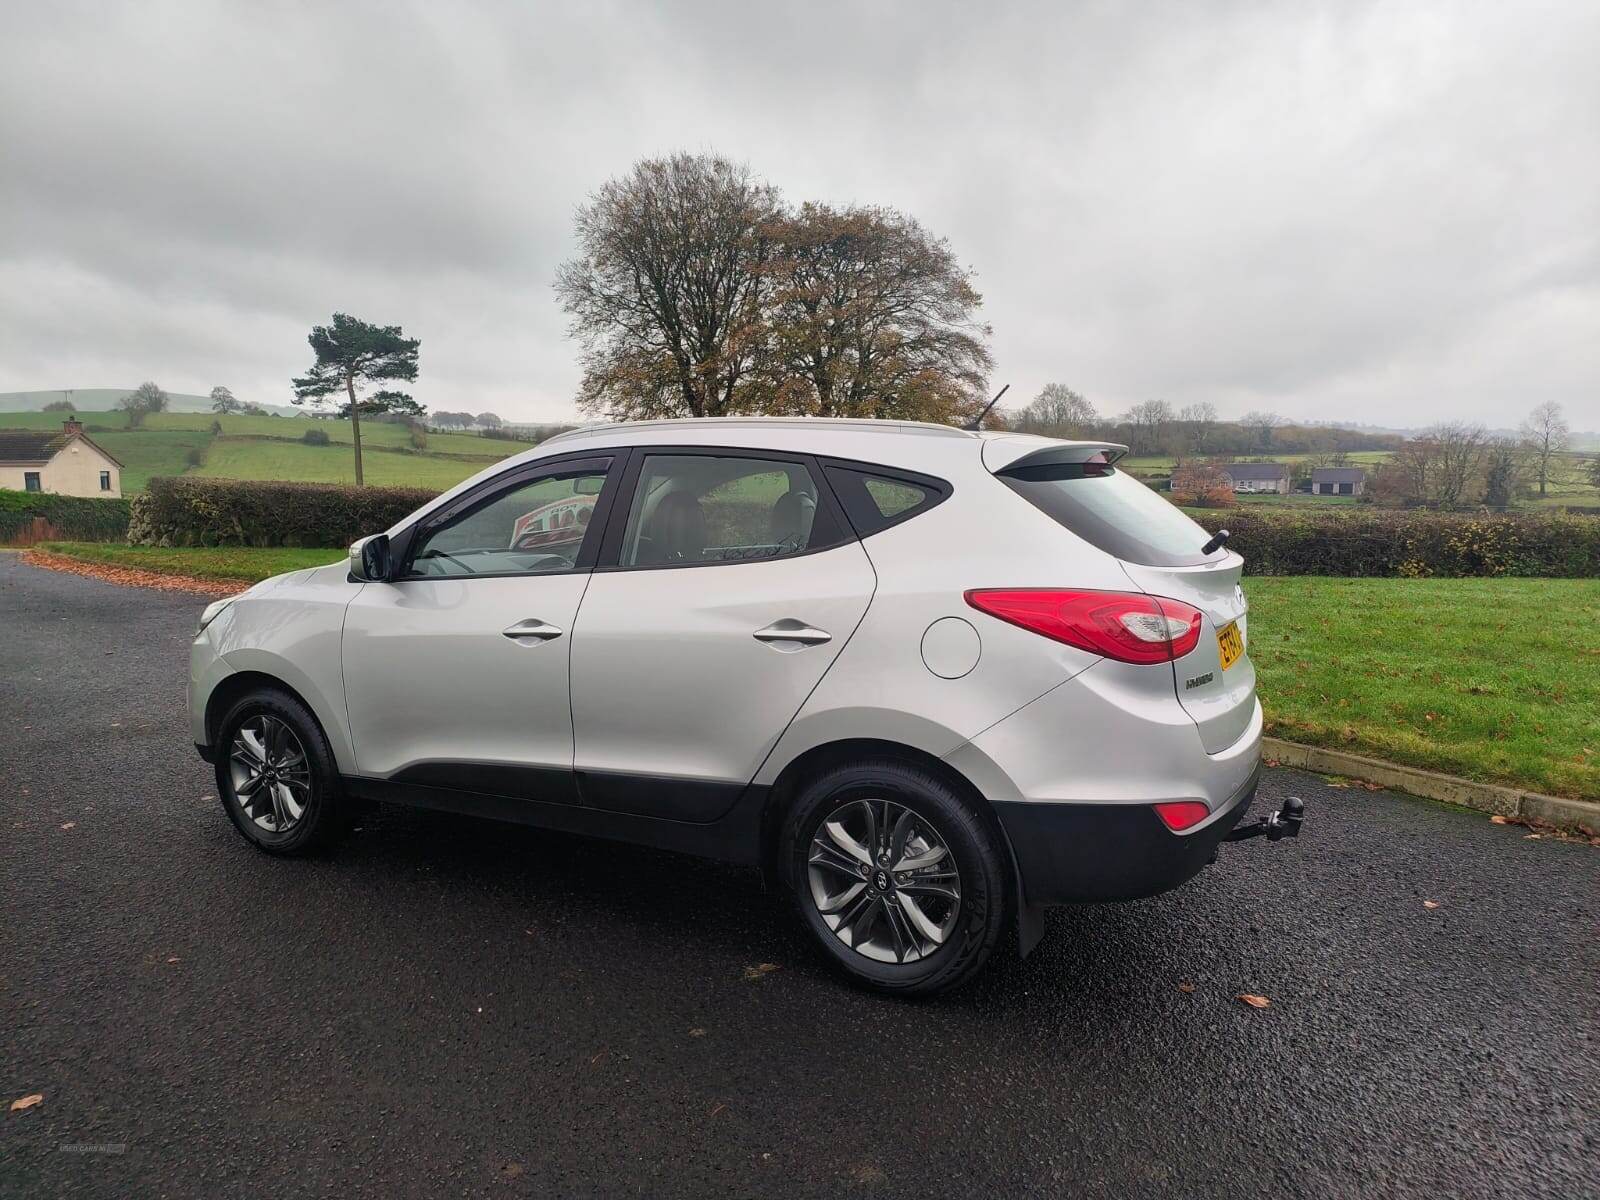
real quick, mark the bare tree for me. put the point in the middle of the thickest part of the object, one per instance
(866, 314)
(665, 295)
(1198, 420)
(1545, 435)
(1149, 418)
(1057, 411)
(1262, 423)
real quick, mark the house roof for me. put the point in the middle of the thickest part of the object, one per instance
(1338, 474)
(32, 446)
(1261, 470)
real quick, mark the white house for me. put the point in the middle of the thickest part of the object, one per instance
(66, 463)
(1258, 477)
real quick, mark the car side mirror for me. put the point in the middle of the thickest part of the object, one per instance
(370, 559)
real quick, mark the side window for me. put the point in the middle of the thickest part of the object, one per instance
(692, 508)
(534, 527)
(873, 501)
(105, 481)
(30, 481)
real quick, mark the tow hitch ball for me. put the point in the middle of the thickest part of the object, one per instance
(1281, 824)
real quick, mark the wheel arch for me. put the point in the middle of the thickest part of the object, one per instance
(229, 690)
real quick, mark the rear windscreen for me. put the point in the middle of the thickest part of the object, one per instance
(1113, 511)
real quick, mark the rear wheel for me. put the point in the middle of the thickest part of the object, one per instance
(276, 775)
(895, 873)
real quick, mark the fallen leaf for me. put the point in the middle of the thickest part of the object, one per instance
(1430, 904)
(70, 825)
(173, 959)
(511, 1170)
(1254, 1001)
(27, 1102)
(717, 1109)
(759, 970)
(1186, 987)
(1499, 820)
(1532, 837)
(697, 1033)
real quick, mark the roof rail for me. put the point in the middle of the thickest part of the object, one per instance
(863, 424)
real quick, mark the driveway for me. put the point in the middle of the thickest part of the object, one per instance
(450, 1007)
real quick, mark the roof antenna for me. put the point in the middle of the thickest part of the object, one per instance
(977, 421)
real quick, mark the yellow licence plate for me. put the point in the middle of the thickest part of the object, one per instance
(1230, 644)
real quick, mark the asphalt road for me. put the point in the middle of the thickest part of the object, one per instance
(450, 1007)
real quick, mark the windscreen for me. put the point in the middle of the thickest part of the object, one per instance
(1112, 511)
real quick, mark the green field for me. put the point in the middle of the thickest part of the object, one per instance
(249, 447)
(263, 458)
(1494, 679)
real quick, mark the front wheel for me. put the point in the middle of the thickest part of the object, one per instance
(276, 775)
(897, 875)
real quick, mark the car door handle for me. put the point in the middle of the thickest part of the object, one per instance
(790, 630)
(526, 633)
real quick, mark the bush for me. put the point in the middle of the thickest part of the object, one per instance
(315, 437)
(69, 518)
(419, 437)
(1412, 542)
(190, 511)
(195, 456)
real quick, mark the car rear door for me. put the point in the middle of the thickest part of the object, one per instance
(728, 585)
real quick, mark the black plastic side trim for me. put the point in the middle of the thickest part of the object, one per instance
(552, 785)
(1068, 853)
(698, 800)
(205, 751)
(735, 838)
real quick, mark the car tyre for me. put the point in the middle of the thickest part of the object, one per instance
(872, 933)
(295, 805)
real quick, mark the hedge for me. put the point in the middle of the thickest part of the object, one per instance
(190, 511)
(1366, 541)
(72, 518)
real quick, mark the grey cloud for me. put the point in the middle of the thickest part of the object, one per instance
(1374, 212)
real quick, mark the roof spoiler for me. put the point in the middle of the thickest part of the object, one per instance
(1007, 454)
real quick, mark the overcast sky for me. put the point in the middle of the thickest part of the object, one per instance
(1386, 213)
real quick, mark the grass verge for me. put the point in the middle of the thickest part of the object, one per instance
(1492, 679)
(247, 563)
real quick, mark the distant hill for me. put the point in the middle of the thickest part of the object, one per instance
(105, 399)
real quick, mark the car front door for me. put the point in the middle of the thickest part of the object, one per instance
(456, 672)
(728, 584)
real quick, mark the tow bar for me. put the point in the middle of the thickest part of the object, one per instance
(1281, 824)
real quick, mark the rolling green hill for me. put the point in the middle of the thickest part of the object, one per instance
(88, 400)
(250, 447)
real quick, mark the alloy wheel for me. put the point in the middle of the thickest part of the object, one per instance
(884, 881)
(270, 773)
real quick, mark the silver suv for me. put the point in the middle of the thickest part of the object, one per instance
(930, 681)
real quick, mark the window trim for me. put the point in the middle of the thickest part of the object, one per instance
(33, 481)
(611, 462)
(939, 490)
(610, 559)
(105, 481)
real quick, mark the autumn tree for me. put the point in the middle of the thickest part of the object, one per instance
(864, 313)
(1545, 435)
(665, 294)
(62, 405)
(145, 399)
(1439, 466)
(223, 401)
(351, 356)
(1057, 411)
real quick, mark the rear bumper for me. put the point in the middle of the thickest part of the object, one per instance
(1066, 853)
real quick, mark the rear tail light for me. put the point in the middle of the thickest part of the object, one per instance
(1127, 626)
(1179, 815)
